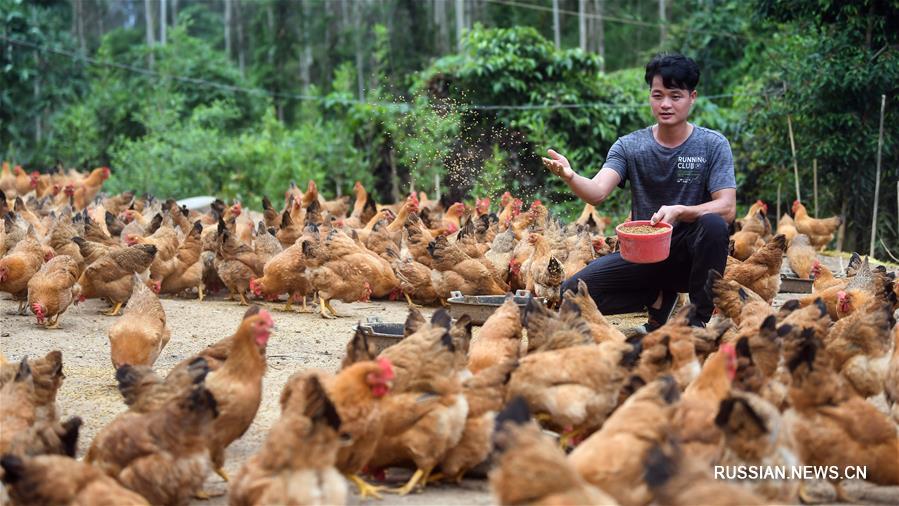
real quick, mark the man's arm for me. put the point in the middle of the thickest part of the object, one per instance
(723, 203)
(593, 191)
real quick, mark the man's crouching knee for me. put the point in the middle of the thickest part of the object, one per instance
(714, 226)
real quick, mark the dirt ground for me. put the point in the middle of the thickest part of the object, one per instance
(300, 341)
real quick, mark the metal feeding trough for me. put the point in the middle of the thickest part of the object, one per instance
(480, 307)
(790, 284)
(381, 334)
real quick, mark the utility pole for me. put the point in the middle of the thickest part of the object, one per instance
(460, 23)
(556, 25)
(162, 21)
(663, 27)
(582, 23)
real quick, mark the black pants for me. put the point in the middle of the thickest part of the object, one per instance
(619, 286)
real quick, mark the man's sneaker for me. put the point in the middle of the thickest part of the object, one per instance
(657, 317)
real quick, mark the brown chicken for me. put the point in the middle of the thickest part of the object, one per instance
(59, 481)
(694, 418)
(761, 272)
(676, 479)
(754, 435)
(357, 393)
(859, 346)
(236, 263)
(453, 270)
(17, 268)
(139, 336)
(819, 232)
(530, 469)
(787, 227)
(284, 273)
(628, 434)
(801, 256)
(744, 243)
(498, 340)
(238, 386)
(575, 387)
(162, 455)
(52, 289)
(425, 414)
(670, 349)
(485, 393)
(186, 271)
(824, 278)
(111, 276)
(296, 464)
(544, 272)
(600, 328)
(831, 425)
(414, 277)
(891, 385)
(756, 220)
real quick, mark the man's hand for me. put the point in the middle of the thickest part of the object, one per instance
(558, 165)
(667, 214)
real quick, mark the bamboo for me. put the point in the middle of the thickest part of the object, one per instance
(815, 182)
(778, 202)
(793, 150)
(883, 105)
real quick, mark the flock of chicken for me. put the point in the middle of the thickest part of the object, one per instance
(645, 418)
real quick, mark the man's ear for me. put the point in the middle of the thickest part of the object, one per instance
(693, 95)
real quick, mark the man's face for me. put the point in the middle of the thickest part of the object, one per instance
(670, 106)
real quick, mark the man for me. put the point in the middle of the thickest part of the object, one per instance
(680, 174)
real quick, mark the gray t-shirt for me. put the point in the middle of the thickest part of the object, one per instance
(659, 176)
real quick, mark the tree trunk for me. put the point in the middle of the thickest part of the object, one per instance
(582, 23)
(148, 12)
(394, 176)
(557, 29)
(663, 23)
(174, 12)
(841, 232)
(460, 23)
(227, 28)
(241, 50)
(162, 21)
(360, 60)
(600, 33)
(305, 49)
(441, 32)
(82, 44)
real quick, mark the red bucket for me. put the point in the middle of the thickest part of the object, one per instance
(644, 248)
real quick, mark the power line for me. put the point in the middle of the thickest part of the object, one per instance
(401, 106)
(603, 17)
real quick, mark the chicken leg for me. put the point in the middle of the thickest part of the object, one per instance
(221, 472)
(200, 295)
(115, 310)
(288, 308)
(419, 478)
(54, 324)
(243, 300)
(324, 309)
(366, 489)
(411, 304)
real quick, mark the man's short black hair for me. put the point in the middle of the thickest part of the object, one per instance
(677, 71)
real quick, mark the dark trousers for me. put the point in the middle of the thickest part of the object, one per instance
(619, 286)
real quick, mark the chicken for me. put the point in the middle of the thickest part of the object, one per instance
(891, 385)
(88, 188)
(500, 253)
(139, 336)
(761, 272)
(453, 270)
(677, 479)
(754, 435)
(498, 340)
(296, 464)
(236, 263)
(694, 418)
(52, 289)
(787, 227)
(28, 409)
(544, 273)
(414, 277)
(17, 268)
(357, 393)
(333, 276)
(819, 232)
(581, 250)
(756, 221)
(548, 330)
(670, 349)
(452, 218)
(628, 434)
(591, 221)
(186, 271)
(831, 425)
(575, 387)
(238, 386)
(484, 392)
(111, 276)
(530, 469)
(744, 243)
(824, 278)
(425, 414)
(511, 210)
(802, 256)
(162, 455)
(600, 328)
(859, 346)
(59, 481)
(284, 273)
